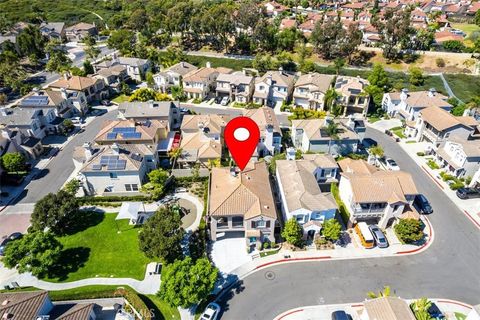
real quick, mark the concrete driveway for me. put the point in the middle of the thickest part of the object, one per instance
(229, 253)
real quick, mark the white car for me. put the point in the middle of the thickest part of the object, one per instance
(225, 101)
(181, 189)
(392, 165)
(211, 312)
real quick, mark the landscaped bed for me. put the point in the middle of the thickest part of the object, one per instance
(99, 251)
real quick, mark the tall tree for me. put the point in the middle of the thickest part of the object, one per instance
(156, 183)
(264, 36)
(293, 233)
(161, 236)
(218, 21)
(122, 40)
(57, 212)
(58, 61)
(331, 229)
(37, 252)
(31, 42)
(395, 31)
(415, 76)
(186, 282)
(13, 162)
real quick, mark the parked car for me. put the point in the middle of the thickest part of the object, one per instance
(14, 236)
(422, 205)
(435, 312)
(379, 237)
(468, 193)
(211, 312)
(184, 110)
(225, 101)
(180, 189)
(218, 99)
(340, 315)
(392, 165)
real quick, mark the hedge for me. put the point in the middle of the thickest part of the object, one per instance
(341, 206)
(96, 200)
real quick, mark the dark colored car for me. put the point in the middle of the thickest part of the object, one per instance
(340, 315)
(468, 193)
(422, 205)
(14, 236)
(218, 99)
(435, 312)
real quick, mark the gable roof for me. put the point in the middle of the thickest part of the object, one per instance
(80, 311)
(314, 129)
(214, 122)
(442, 120)
(300, 187)
(422, 99)
(182, 68)
(264, 117)
(246, 193)
(74, 83)
(350, 85)
(154, 109)
(315, 81)
(22, 305)
(196, 146)
(280, 78)
(147, 130)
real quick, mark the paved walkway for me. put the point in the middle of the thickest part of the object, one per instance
(321, 312)
(149, 285)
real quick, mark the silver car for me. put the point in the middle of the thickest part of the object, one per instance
(379, 237)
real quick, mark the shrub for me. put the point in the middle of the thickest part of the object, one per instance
(196, 101)
(90, 200)
(421, 154)
(440, 62)
(331, 229)
(432, 164)
(293, 233)
(409, 230)
(266, 245)
(457, 184)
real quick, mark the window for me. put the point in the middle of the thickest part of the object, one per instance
(131, 187)
(113, 175)
(261, 224)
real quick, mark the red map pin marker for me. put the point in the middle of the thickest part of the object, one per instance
(241, 135)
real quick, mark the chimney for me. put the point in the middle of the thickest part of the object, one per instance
(269, 138)
(115, 148)
(269, 79)
(66, 75)
(64, 93)
(432, 92)
(5, 302)
(36, 90)
(404, 94)
(291, 153)
(208, 64)
(350, 123)
(88, 150)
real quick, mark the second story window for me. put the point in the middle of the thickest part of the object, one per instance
(113, 175)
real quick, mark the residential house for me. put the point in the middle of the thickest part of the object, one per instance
(435, 125)
(80, 30)
(309, 91)
(274, 87)
(459, 157)
(167, 111)
(408, 105)
(59, 101)
(12, 140)
(311, 135)
(202, 139)
(270, 132)
(31, 122)
(113, 76)
(391, 308)
(241, 202)
(352, 94)
(84, 89)
(475, 183)
(151, 133)
(136, 68)
(172, 76)
(53, 30)
(301, 196)
(371, 36)
(274, 9)
(326, 171)
(446, 35)
(198, 83)
(288, 23)
(237, 86)
(37, 305)
(113, 169)
(373, 195)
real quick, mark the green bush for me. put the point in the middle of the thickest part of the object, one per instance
(341, 206)
(266, 245)
(409, 230)
(446, 177)
(440, 62)
(432, 164)
(96, 200)
(421, 154)
(197, 101)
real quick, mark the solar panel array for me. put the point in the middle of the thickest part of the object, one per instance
(118, 165)
(97, 167)
(112, 135)
(112, 163)
(35, 101)
(132, 135)
(124, 129)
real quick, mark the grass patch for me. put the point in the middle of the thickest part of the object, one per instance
(468, 28)
(464, 86)
(268, 253)
(201, 61)
(460, 316)
(341, 206)
(99, 250)
(432, 164)
(374, 119)
(161, 308)
(121, 98)
(411, 141)
(398, 131)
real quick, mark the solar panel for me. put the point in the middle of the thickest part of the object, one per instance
(112, 135)
(117, 165)
(35, 101)
(124, 129)
(106, 160)
(132, 135)
(97, 167)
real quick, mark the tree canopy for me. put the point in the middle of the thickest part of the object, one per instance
(13, 162)
(293, 232)
(331, 229)
(156, 183)
(186, 282)
(409, 230)
(162, 234)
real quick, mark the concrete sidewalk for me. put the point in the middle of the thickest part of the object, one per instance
(320, 312)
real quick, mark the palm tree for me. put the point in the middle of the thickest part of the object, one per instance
(377, 152)
(174, 154)
(330, 98)
(420, 308)
(384, 293)
(332, 131)
(338, 63)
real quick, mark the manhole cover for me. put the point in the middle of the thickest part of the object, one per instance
(269, 275)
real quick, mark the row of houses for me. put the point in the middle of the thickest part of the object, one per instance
(271, 89)
(453, 140)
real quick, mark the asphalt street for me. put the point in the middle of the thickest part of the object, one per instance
(448, 269)
(59, 169)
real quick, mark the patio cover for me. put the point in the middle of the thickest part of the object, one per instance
(129, 210)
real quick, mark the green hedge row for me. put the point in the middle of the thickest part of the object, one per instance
(96, 200)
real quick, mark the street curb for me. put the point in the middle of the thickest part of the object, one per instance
(288, 313)
(291, 260)
(433, 178)
(471, 218)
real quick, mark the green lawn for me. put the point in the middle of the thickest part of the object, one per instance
(464, 86)
(166, 312)
(98, 250)
(398, 131)
(121, 98)
(468, 28)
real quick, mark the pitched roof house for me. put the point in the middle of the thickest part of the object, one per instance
(270, 132)
(387, 308)
(273, 87)
(309, 91)
(172, 76)
(352, 96)
(242, 202)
